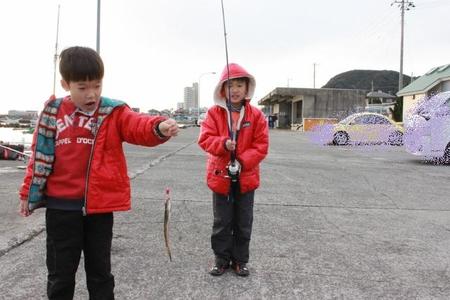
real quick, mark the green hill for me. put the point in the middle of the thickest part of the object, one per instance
(384, 80)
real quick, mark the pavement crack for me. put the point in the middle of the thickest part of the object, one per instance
(158, 160)
(20, 241)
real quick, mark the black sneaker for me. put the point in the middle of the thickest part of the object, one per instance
(240, 269)
(219, 268)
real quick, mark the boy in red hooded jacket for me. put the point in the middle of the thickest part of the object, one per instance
(78, 172)
(232, 170)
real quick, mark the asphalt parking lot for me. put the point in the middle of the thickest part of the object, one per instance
(352, 222)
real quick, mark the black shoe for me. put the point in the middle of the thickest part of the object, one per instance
(240, 269)
(219, 268)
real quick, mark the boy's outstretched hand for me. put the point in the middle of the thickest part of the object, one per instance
(169, 127)
(23, 208)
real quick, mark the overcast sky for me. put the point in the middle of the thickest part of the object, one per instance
(153, 49)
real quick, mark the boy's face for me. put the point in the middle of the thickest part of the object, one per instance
(238, 89)
(84, 94)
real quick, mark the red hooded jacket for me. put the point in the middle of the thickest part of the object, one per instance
(252, 141)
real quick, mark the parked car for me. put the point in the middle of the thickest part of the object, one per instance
(427, 131)
(367, 128)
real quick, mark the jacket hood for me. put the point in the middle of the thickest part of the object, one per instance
(236, 71)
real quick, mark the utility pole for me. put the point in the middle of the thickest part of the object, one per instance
(403, 5)
(314, 75)
(288, 80)
(98, 26)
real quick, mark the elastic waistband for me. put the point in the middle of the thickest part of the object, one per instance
(64, 203)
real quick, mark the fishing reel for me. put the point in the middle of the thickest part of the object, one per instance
(234, 168)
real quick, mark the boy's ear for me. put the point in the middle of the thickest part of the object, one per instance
(65, 85)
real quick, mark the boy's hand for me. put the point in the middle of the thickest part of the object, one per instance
(230, 145)
(23, 208)
(169, 127)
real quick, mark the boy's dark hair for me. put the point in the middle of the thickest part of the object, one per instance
(80, 64)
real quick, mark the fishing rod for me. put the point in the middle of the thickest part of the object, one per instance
(55, 57)
(228, 101)
(234, 167)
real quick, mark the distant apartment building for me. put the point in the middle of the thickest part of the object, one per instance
(191, 97)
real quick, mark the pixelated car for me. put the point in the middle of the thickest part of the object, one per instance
(427, 129)
(366, 128)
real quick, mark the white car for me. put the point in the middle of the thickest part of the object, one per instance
(427, 131)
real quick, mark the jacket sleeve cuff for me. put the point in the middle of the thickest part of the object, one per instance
(158, 132)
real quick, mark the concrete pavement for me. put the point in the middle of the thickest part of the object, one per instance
(330, 223)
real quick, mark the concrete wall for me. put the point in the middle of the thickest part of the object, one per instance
(297, 110)
(320, 103)
(284, 115)
(333, 103)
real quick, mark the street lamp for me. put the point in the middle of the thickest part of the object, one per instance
(198, 92)
(98, 27)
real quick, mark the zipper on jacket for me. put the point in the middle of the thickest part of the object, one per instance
(84, 208)
(97, 127)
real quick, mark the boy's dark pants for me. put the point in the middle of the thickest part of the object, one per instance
(232, 228)
(69, 233)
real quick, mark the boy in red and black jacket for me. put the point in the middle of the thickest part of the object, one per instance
(232, 170)
(78, 172)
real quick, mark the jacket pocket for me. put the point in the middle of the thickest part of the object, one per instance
(249, 180)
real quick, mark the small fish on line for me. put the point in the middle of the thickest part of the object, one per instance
(167, 207)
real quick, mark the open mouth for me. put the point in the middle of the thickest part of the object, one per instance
(90, 106)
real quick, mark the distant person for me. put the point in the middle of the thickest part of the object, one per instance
(78, 171)
(233, 185)
(270, 120)
(274, 120)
